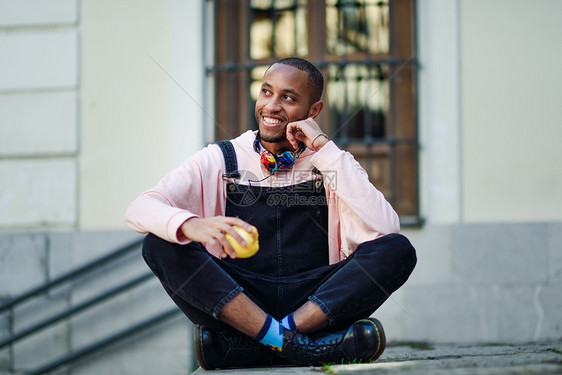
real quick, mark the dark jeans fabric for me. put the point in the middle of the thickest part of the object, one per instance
(354, 288)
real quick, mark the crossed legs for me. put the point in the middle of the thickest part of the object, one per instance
(247, 317)
(340, 296)
(349, 290)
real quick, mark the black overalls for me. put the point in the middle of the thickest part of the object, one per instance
(291, 265)
(292, 223)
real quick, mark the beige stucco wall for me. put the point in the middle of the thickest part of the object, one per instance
(136, 120)
(39, 65)
(439, 111)
(489, 120)
(489, 117)
(510, 113)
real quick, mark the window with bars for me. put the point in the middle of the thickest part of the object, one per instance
(366, 51)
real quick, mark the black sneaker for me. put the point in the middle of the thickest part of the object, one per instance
(364, 341)
(231, 349)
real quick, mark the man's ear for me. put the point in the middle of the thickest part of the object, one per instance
(315, 109)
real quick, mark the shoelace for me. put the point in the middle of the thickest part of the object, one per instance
(240, 341)
(325, 348)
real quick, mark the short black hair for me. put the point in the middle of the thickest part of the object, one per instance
(314, 75)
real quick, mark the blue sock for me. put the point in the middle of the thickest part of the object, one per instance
(271, 334)
(289, 323)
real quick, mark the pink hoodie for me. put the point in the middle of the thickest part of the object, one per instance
(358, 212)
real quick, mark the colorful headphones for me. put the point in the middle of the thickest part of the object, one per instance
(281, 161)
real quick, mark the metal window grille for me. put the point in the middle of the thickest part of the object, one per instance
(366, 51)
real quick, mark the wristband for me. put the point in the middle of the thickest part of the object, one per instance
(314, 139)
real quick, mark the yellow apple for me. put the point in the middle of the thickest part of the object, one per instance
(252, 243)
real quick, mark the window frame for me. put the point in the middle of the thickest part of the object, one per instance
(228, 73)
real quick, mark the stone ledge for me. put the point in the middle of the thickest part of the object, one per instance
(456, 359)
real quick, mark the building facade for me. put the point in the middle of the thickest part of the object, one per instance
(99, 99)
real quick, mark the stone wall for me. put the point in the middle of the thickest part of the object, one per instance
(481, 283)
(30, 259)
(473, 283)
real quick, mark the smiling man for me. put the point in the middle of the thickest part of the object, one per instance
(329, 249)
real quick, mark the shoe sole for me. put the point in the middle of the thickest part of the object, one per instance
(197, 329)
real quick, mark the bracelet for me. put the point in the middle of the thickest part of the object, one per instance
(314, 139)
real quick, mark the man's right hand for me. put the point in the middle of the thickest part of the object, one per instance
(212, 230)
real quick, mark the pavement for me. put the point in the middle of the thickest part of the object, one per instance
(542, 358)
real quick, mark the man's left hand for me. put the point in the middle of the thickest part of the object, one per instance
(307, 131)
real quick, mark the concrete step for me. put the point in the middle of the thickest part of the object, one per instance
(440, 359)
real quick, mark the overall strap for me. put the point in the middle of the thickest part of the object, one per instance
(230, 159)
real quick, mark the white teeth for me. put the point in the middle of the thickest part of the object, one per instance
(271, 120)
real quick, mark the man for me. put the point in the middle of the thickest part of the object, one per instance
(330, 253)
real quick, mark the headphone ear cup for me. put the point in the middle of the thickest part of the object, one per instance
(286, 160)
(281, 161)
(269, 162)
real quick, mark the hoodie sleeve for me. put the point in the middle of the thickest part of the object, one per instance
(194, 189)
(364, 212)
